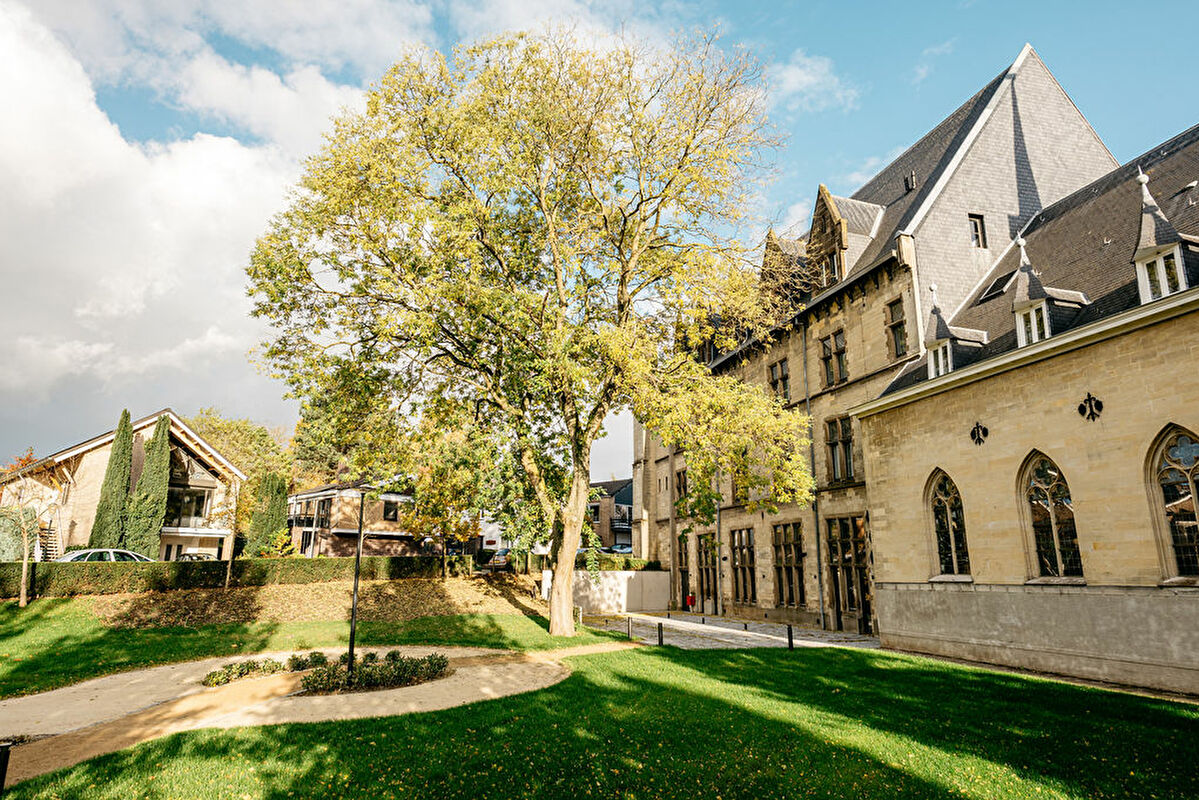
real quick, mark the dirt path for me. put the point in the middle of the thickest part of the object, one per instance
(476, 675)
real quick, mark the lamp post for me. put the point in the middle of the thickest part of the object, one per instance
(354, 603)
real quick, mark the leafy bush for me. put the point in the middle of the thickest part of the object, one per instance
(611, 561)
(391, 671)
(55, 579)
(242, 669)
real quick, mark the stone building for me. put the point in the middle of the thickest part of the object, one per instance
(939, 214)
(1033, 476)
(201, 493)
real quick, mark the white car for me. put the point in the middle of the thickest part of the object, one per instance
(102, 555)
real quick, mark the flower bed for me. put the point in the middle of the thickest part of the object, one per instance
(371, 672)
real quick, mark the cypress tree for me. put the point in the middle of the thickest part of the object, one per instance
(270, 512)
(148, 503)
(108, 528)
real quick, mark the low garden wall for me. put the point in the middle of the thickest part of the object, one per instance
(55, 579)
(616, 591)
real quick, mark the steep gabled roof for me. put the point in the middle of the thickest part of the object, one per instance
(206, 451)
(1083, 247)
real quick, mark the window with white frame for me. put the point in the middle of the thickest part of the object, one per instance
(1161, 275)
(1032, 324)
(940, 360)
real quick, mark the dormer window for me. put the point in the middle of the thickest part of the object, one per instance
(940, 359)
(1160, 275)
(978, 231)
(1032, 324)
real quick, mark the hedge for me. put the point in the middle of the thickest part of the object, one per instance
(611, 561)
(65, 579)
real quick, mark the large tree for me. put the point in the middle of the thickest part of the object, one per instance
(108, 526)
(540, 233)
(147, 505)
(269, 516)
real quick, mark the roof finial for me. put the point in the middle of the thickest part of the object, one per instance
(933, 288)
(1142, 178)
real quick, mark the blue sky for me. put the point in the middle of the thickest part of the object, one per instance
(148, 143)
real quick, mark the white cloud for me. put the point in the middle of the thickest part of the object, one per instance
(809, 83)
(797, 218)
(924, 66)
(869, 168)
(119, 261)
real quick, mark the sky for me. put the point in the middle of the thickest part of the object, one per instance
(144, 145)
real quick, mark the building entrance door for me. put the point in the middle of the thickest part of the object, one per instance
(706, 554)
(849, 574)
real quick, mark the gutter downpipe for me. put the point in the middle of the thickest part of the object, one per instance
(807, 395)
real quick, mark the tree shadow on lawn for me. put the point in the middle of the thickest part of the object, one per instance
(665, 723)
(1100, 743)
(58, 641)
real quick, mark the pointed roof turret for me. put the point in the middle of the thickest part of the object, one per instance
(1028, 288)
(1156, 230)
(937, 329)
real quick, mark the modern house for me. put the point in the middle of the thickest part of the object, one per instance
(1032, 477)
(940, 214)
(201, 494)
(611, 514)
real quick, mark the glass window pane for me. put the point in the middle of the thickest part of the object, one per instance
(1026, 318)
(1155, 286)
(1171, 270)
(1039, 313)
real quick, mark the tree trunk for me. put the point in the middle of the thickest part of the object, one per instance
(562, 588)
(24, 599)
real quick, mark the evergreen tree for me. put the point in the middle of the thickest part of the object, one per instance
(108, 528)
(270, 513)
(148, 503)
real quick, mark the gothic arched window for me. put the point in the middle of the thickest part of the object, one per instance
(1052, 511)
(949, 526)
(1177, 475)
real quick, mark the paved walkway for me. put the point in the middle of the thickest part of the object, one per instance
(110, 715)
(698, 632)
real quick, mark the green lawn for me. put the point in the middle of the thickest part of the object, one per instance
(665, 723)
(53, 643)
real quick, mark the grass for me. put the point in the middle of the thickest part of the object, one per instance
(666, 723)
(54, 643)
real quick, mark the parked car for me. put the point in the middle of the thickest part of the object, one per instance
(622, 549)
(196, 557)
(102, 554)
(501, 560)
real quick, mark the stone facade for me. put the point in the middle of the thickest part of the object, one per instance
(1129, 618)
(1017, 145)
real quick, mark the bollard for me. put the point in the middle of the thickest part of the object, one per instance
(668, 615)
(4, 748)
(790, 638)
(659, 634)
(630, 619)
(744, 626)
(703, 620)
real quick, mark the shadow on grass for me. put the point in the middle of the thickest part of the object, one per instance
(665, 723)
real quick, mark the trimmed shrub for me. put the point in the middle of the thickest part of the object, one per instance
(147, 506)
(611, 562)
(58, 579)
(242, 669)
(108, 526)
(389, 672)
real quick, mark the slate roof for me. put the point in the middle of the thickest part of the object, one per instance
(610, 488)
(928, 158)
(1082, 248)
(858, 215)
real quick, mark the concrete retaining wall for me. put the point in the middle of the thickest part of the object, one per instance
(617, 591)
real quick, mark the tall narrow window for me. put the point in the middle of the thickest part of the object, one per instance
(706, 557)
(839, 437)
(897, 329)
(1052, 511)
(1032, 325)
(680, 485)
(978, 230)
(1178, 475)
(780, 380)
(788, 565)
(745, 588)
(949, 525)
(832, 358)
(1160, 276)
(940, 360)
